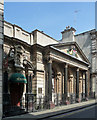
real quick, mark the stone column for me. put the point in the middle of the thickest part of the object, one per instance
(66, 84)
(1, 55)
(26, 95)
(77, 85)
(80, 87)
(86, 85)
(50, 80)
(62, 98)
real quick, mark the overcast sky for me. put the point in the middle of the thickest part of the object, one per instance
(51, 18)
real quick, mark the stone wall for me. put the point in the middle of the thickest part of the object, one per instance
(94, 62)
(40, 74)
(43, 39)
(17, 32)
(1, 44)
(88, 43)
(84, 41)
(35, 37)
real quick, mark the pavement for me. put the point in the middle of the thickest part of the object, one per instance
(55, 111)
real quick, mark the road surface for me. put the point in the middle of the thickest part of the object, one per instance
(88, 112)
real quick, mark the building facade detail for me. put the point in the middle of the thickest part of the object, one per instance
(54, 72)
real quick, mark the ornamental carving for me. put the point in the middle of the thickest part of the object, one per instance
(18, 58)
(39, 58)
(72, 51)
(16, 54)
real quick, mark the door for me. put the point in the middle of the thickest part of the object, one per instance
(16, 92)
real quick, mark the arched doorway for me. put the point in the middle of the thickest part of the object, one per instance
(16, 92)
(16, 83)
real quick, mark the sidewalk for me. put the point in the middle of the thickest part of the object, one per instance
(54, 111)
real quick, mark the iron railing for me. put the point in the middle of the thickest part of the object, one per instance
(31, 103)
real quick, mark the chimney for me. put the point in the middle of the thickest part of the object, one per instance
(68, 34)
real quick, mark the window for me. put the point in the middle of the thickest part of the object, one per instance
(40, 90)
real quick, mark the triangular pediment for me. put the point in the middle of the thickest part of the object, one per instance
(72, 49)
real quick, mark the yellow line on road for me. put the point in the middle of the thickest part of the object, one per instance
(67, 114)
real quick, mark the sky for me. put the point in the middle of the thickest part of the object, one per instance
(51, 17)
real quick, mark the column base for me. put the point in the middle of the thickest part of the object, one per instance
(67, 102)
(51, 105)
(86, 99)
(78, 100)
(92, 94)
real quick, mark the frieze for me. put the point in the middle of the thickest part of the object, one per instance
(68, 61)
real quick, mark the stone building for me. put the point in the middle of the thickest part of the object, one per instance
(88, 43)
(1, 46)
(36, 66)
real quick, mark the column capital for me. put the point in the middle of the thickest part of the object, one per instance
(77, 69)
(86, 72)
(50, 60)
(66, 65)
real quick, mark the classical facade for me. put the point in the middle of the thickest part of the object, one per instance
(38, 67)
(1, 46)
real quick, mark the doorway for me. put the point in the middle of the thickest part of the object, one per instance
(16, 92)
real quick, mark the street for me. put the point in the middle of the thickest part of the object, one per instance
(89, 112)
